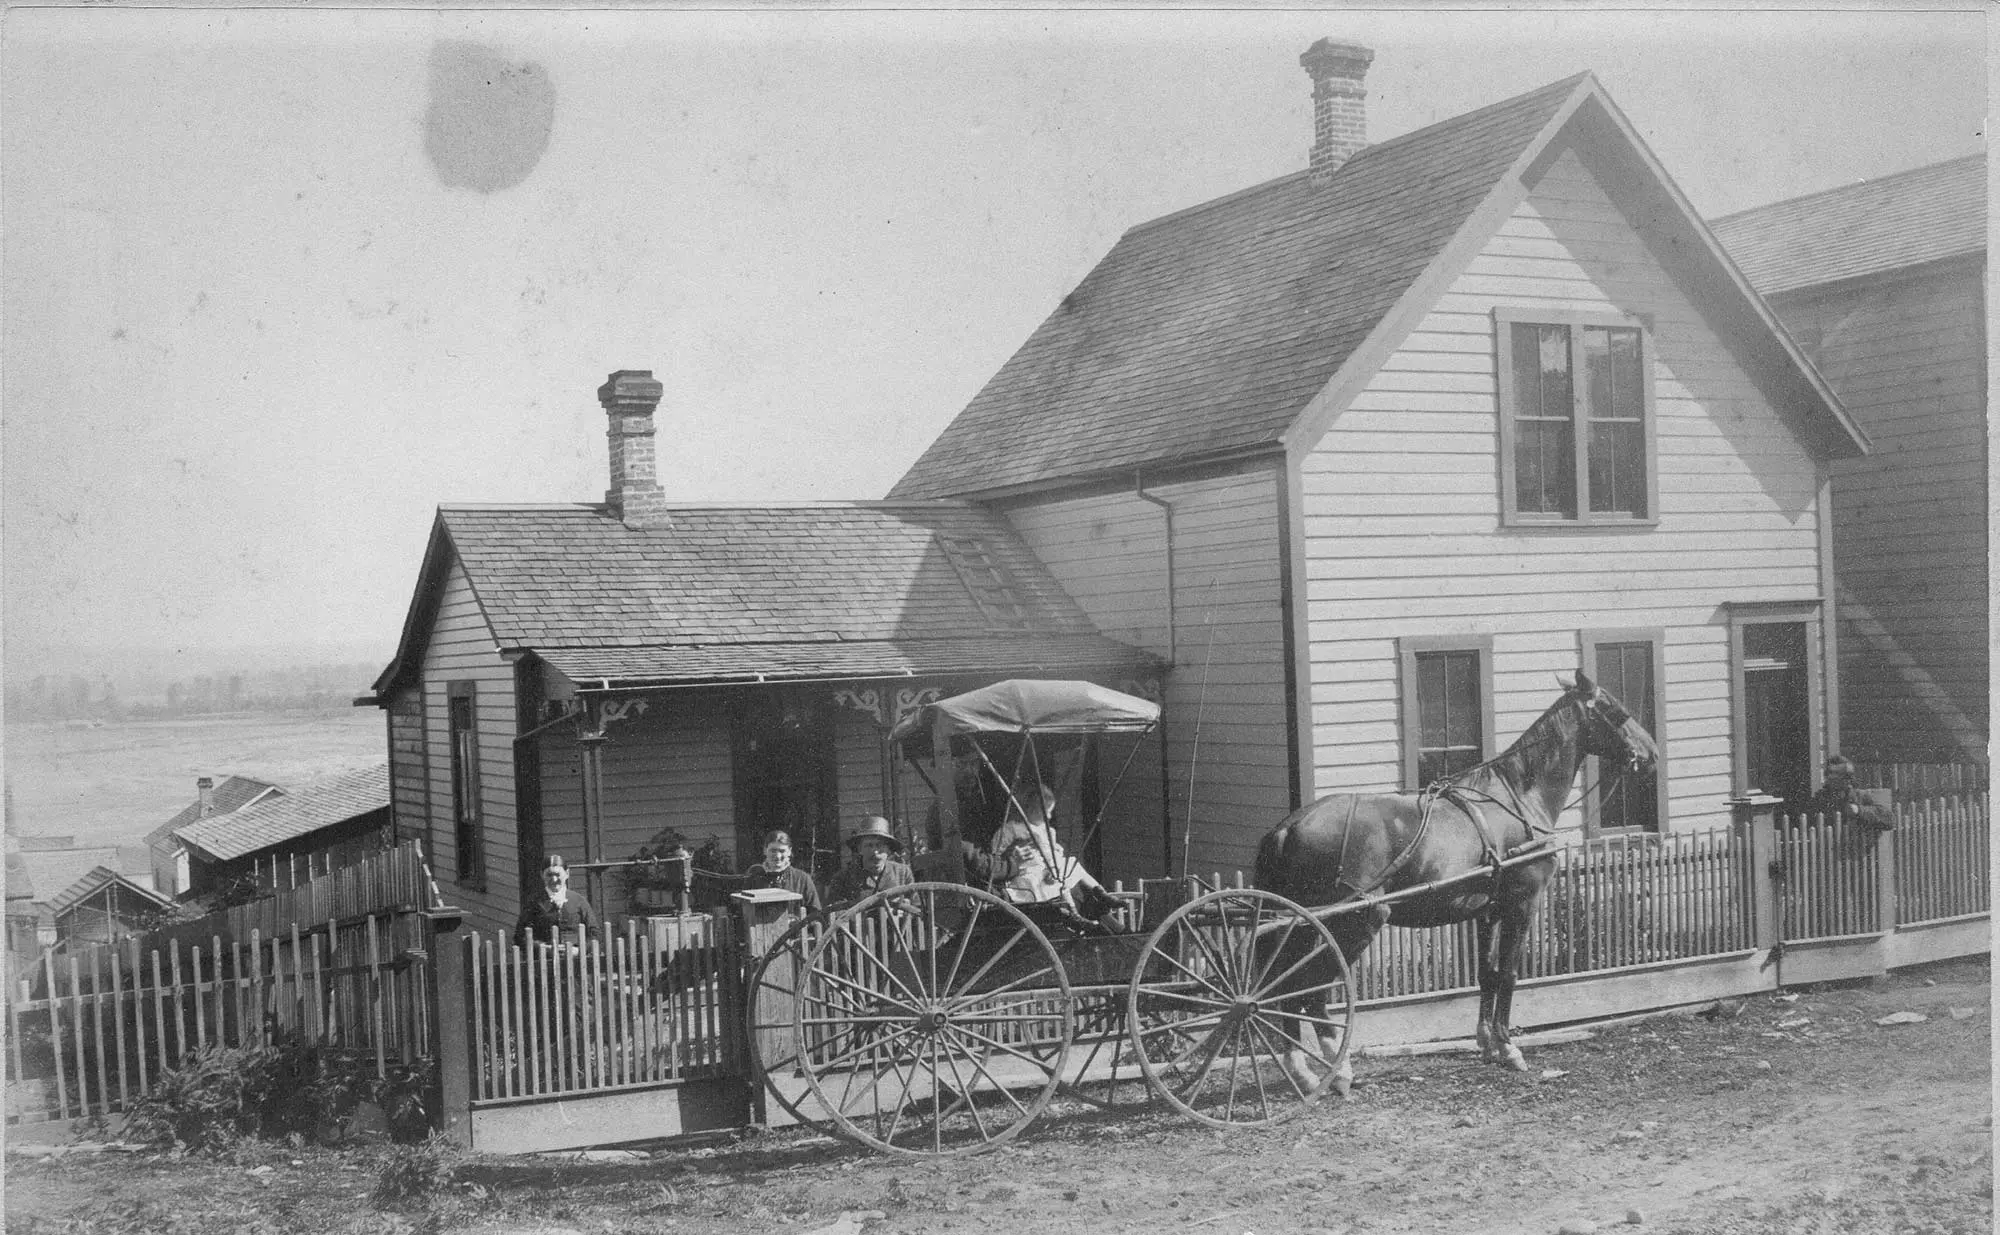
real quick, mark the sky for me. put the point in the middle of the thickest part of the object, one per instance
(276, 284)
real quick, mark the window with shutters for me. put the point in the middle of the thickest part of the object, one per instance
(1576, 419)
(1447, 706)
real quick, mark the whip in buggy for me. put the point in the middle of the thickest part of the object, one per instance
(943, 1018)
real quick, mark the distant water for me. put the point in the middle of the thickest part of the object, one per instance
(114, 783)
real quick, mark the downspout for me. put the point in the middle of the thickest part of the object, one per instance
(1173, 658)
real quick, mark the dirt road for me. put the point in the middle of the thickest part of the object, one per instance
(1797, 1114)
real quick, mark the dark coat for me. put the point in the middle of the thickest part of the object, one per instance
(544, 920)
(791, 879)
(850, 885)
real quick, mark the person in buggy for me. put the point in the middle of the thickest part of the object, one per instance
(1031, 868)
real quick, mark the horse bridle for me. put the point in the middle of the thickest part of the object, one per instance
(1589, 708)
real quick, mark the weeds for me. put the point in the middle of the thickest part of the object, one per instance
(412, 1176)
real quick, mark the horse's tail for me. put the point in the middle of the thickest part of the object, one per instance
(1271, 864)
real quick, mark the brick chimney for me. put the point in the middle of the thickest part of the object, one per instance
(635, 497)
(1340, 112)
(204, 788)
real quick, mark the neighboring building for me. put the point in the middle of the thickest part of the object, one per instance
(52, 865)
(169, 856)
(1883, 284)
(283, 837)
(1373, 451)
(22, 944)
(104, 907)
(579, 678)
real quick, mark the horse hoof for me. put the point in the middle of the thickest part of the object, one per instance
(1342, 1085)
(1511, 1059)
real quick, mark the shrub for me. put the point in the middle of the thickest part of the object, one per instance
(414, 1174)
(293, 1090)
(205, 1104)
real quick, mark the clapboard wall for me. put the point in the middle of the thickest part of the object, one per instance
(1401, 502)
(461, 648)
(1224, 710)
(1905, 352)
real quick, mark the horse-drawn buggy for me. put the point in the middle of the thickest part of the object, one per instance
(943, 1016)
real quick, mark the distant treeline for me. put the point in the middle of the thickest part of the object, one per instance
(83, 696)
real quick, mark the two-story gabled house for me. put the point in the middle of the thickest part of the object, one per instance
(1883, 284)
(1372, 451)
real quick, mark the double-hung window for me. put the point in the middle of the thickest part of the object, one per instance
(1447, 691)
(1576, 418)
(463, 715)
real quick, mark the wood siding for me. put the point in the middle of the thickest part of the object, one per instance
(1109, 552)
(1906, 356)
(461, 648)
(666, 767)
(409, 785)
(1401, 507)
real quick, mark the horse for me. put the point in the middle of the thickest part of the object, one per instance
(1346, 847)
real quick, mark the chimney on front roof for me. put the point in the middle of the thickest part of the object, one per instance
(204, 787)
(629, 397)
(1340, 112)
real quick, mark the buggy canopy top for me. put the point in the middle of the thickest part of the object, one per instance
(1032, 705)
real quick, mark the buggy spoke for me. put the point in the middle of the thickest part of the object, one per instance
(870, 1044)
(980, 1063)
(1297, 965)
(849, 986)
(1007, 1047)
(1217, 991)
(1020, 933)
(964, 940)
(847, 929)
(1279, 1052)
(1184, 997)
(1263, 979)
(967, 1000)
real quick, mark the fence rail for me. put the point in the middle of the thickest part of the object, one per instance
(1942, 855)
(605, 1011)
(89, 1030)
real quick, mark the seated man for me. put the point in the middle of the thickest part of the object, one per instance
(872, 869)
(1031, 865)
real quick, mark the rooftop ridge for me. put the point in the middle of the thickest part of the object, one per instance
(1865, 182)
(1388, 143)
(859, 503)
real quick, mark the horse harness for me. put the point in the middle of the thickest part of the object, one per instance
(1427, 799)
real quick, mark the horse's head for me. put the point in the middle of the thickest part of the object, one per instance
(1608, 730)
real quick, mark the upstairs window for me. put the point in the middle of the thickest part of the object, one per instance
(1576, 419)
(1447, 706)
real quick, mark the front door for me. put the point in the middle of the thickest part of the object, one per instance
(785, 778)
(1777, 709)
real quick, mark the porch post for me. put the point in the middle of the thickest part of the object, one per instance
(1756, 827)
(452, 1026)
(949, 837)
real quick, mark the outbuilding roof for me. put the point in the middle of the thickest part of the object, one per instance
(228, 794)
(302, 811)
(1207, 333)
(95, 879)
(726, 592)
(1922, 215)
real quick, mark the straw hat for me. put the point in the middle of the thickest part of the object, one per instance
(876, 827)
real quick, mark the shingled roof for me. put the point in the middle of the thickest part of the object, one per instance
(1923, 215)
(746, 593)
(1206, 331)
(1206, 334)
(228, 794)
(321, 804)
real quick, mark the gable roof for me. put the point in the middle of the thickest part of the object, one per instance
(50, 872)
(308, 808)
(94, 880)
(721, 592)
(229, 794)
(1208, 333)
(1922, 215)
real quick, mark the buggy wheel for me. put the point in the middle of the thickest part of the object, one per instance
(1240, 1007)
(934, 1020)
(774, 1043)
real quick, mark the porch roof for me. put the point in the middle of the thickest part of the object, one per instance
(876, 658)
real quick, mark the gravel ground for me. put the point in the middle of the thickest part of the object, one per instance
(1797, 1114)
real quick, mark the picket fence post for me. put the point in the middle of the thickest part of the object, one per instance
(452, 1051)
(1755, 816)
